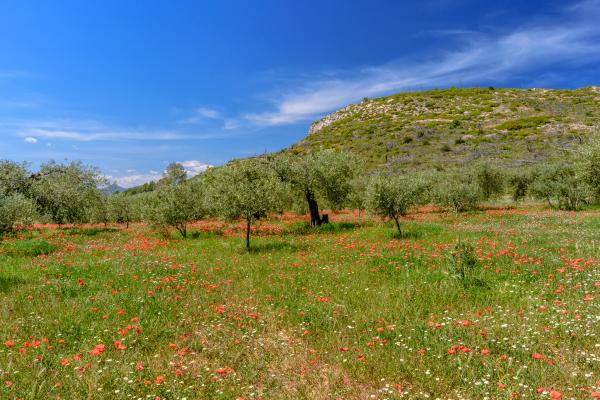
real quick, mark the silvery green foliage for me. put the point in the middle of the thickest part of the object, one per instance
(65, 192)
(14, 178)
(391, 196)
(490, 179)
(176, 206)
(590, 166)
(457, 193)
(16, 211)
(327, 174)
(122, 207)
(560, 186)
(98, 211)
(519, 182)
(174, 175)
(246, 189)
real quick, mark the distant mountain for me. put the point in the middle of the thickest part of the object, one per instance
(112, 188)
(443, 128)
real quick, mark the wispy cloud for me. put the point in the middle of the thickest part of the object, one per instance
(91, 130)
(573, 39)
(201, 114)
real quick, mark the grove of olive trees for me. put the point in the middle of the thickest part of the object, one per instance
(250, 189)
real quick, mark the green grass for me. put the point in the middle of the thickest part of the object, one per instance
(347, 311)
(26, 247)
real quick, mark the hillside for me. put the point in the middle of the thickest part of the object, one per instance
(441, 128)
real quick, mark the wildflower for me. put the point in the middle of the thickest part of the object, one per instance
(97, 350)
(159, 379)
(222, 371)
(119, 345)
(555, 395)
(81, 282)
(9, 343)
(8, 383)
(537, 356)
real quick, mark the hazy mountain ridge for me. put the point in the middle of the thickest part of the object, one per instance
(441, 128)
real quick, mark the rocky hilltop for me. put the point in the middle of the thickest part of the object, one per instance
(442, 128)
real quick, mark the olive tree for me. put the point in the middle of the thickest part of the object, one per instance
(324, 175)
(519, 183)
(65, 192)
(560, 186)
(176, 206)
(590, 167)
(14, 178)
(16, 212)
(246, 189)
(391, 196)
(174, 175)
(490, 180)
(121, 208)
(458, 193)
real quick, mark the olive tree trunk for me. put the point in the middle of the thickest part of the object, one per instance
(248, 235)
(313, 208)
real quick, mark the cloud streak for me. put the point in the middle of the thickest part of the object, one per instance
(90, 131)
(480, 58)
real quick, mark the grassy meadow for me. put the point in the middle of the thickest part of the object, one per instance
(346, 311)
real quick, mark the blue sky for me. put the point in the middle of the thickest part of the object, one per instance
(131, 86)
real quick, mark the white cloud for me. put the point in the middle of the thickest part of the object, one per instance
(30, 139)
(194, 167)
(129, 181)
(572, 40)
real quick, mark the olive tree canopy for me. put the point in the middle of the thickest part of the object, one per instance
(324, 175)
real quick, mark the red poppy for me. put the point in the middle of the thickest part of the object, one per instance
(97, 350)
(119, 345)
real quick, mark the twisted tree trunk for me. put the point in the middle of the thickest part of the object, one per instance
(313, 208)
